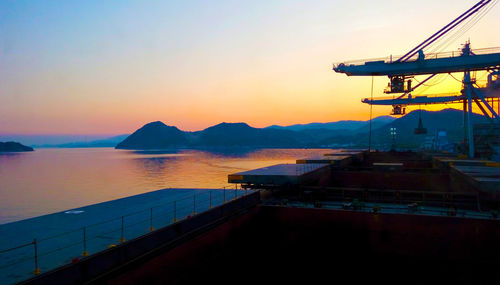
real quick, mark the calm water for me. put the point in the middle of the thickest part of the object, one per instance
(51, 180)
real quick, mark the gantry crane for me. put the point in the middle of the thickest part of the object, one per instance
(401, 70)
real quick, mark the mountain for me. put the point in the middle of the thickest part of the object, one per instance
(241, 134)
(155, 135)
(348, 125)
(376, 123)
(449, 120)
(13, 147)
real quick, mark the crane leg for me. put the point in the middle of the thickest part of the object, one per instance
(468, 86)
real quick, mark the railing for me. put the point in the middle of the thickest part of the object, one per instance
(438, 95)
(393, 201)
(413, 208)
(42, 254)
(447, 54)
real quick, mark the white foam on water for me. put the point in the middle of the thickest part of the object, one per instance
(74, 212)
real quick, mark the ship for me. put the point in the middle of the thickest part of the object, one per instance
(361, 215)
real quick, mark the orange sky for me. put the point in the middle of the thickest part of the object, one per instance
(93, 68)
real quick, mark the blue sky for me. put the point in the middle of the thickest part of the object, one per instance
(108, 67)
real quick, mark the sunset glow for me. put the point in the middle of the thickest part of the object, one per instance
(89, 67)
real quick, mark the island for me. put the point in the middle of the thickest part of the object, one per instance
(13, 147)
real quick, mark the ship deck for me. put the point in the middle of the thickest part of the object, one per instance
(60, 235)
(279, 174)
(384, 194)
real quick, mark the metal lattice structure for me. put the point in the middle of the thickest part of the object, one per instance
(401, 71)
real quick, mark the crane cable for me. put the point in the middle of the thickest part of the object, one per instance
(455, 78)
(450, 26)
(467, 26)
(434, 79)
(472, 24)
(447, 40)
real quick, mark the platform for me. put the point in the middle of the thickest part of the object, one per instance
(344, 153)
(432, 64)
(280, 174)
(336, 160)
(483, 178)
(447, 162)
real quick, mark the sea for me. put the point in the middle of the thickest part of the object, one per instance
(50, 180)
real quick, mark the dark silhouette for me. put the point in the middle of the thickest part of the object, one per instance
(157, 135)
(13, 147)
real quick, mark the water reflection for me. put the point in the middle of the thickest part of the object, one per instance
(50, 180)
(156, 152)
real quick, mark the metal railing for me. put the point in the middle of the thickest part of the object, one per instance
(43, 254)
(394, 97)
(392, 201)
(446, 54)
(412, 208)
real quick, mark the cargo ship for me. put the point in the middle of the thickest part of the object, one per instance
(351, 216)
(354, 216)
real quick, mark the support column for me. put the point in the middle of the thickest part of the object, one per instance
(470, 135)
(466, 139)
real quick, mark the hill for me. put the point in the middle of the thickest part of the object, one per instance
(13, 147)
(449, 120)
(348, 125)
(155, 135)
(241, 134)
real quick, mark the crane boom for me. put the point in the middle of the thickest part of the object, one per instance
(421, 66)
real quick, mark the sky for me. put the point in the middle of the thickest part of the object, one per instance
(109, 67)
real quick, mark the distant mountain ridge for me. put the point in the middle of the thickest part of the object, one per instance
(449, 120)
(241, 134)
(157, 135)
(108, 142)
(54, 140)
(339, 125)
